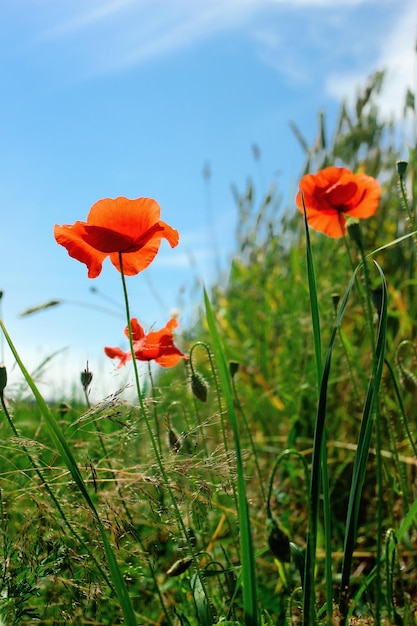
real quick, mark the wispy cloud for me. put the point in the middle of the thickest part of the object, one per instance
(78, 19)
(122, 33)
(303, 40)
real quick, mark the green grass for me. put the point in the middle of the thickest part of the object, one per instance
(271, 479)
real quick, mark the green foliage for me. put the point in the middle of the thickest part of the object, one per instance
(272, 469)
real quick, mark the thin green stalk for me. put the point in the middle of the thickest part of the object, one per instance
(155, 412)
(390, 538)
(219, 402)
(402, 408)
(378, 458)
(405, 203)
(361, 457)
(250, 604)
(144, 414)
(321, 482)
(86, 378)
(251, 442)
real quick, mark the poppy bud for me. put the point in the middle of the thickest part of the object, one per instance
(354, 231)
(278, 541)
(233, 368)
(199, 386)
(335, 299)
(179, 567)
(3, 378)
(401, 168)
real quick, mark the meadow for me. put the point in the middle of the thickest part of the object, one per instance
(266, 473)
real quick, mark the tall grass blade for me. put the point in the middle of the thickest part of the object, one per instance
(205, 617)
(364, 441)
(321, 481)
(308, 589)
(64, 450)
(247, 555)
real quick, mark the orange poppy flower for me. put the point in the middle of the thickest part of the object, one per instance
(155, 346)
(114, 226)
(333, 193)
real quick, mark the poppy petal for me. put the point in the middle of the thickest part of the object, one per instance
(169, 359)
(107, 240)
(367, 204)
(137, 331)
(125, 216)
(136, 261)
(329, 224)
(72, 237)
(118, 353)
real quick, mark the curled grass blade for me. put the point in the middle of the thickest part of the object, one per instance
(247, 556)
(64, 450)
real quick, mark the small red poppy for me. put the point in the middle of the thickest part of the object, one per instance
(155, 346)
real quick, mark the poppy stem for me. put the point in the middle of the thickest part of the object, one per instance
(155, 412)
(165, 479)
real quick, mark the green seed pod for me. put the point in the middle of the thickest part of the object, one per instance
(233, 368)
(278, 541)
(199, 386)
(335, 300)
(401, 168)
(86, 378)
(3, 378)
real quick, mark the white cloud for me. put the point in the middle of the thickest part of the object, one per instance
(395, 53)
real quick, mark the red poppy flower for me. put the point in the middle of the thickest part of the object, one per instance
(333, 193)
(113, 226)
(155, 346)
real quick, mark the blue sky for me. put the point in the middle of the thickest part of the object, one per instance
(102, 98)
